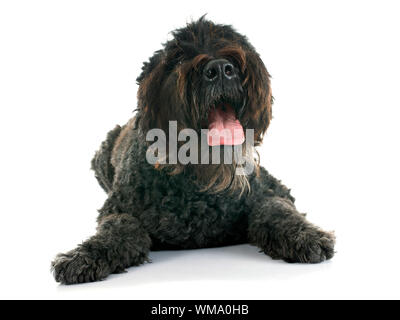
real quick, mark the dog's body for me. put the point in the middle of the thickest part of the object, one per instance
(154, 207)
(173, 210)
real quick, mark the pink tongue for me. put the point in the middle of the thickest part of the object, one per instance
(224, 128)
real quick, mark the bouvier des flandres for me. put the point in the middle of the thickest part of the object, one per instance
(208, 76)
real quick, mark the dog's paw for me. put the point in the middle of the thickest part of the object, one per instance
(312, 246)
(77, 267)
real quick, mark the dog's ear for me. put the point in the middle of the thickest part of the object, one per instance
(150, 82)
(149, 66)
(259, 96)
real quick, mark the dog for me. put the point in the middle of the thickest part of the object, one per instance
(207, 76)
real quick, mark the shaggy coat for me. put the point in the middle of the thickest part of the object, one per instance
(176, 206)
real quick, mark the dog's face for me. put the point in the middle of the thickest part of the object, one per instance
(206, 74)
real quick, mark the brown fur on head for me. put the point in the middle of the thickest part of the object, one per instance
(172, 88)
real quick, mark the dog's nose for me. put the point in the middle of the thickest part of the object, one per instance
(218, 68)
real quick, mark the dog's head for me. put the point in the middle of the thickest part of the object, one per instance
(206, 75)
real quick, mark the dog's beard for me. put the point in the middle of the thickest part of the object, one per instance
(220, 176)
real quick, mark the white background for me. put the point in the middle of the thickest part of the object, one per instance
(67, 76)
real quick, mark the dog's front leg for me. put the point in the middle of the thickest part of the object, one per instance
(120, 242)
(283, 233)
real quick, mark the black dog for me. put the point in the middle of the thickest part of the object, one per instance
(207, 71)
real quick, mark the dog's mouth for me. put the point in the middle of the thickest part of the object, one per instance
(224, 127)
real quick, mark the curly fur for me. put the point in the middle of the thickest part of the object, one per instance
(180, 207)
